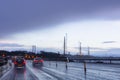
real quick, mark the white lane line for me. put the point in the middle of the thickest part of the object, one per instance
(40, 74)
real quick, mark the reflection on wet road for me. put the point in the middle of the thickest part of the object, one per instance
(75, 71)
(20, 74)
(23, 74)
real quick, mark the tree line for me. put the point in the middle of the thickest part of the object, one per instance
(30, 55)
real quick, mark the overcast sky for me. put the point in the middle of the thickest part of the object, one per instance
(95, 23)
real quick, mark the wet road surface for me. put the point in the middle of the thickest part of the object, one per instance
(75, 71)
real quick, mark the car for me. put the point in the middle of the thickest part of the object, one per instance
(6, 60)
(3, 60)
(19, 62)
(37, 61)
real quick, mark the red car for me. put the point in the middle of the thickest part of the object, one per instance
(20, 63)
(37, 61)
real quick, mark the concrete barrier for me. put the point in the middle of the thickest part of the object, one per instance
(5, 68)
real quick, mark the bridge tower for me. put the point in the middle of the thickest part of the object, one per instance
(80, 49)
(34, 49)
(88, 51)
(64, 47)
(65, 44)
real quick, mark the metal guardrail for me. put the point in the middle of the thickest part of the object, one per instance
(99, 58)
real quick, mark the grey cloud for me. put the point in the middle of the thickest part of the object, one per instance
(24, 15)
(10, 45)
(115, 52)
(107, 42)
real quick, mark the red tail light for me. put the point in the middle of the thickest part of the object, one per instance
(15, 62)
(24, 62)
(35, 60)
(41, 60)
